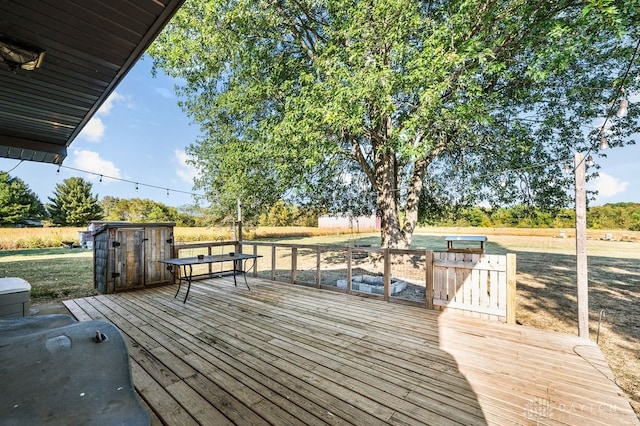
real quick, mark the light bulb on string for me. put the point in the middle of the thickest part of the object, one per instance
(58, 171)
(100, 178)
(590, 161)
(623, 109)
(167, 192)
(136, 186)
(604, 144)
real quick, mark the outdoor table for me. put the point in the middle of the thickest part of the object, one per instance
(186, 263)
(466, 238)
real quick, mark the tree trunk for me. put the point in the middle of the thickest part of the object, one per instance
(391, 234)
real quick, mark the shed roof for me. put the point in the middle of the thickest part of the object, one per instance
(89, 46)
(96, 227)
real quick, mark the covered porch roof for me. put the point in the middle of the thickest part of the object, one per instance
(88, 47)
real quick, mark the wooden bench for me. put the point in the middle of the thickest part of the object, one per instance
(466, 239)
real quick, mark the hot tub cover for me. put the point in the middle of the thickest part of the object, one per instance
(52, 371)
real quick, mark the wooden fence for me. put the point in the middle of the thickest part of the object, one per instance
(479, 285)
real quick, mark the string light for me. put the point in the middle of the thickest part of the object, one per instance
(590, 161)
(167, 192)
(137, 184)
(604, 144)
(623, 109)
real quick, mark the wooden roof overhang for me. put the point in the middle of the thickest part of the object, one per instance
(89, 46)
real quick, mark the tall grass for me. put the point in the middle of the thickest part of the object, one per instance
(24, 238)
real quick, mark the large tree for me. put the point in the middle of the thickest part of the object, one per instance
(354, 105)
(18, 203)
(73, 204)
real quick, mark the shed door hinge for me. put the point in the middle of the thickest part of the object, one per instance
(115, 244)
(170, 241)
(115, 274)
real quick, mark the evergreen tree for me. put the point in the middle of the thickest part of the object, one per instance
(73, 204)
(18, 203)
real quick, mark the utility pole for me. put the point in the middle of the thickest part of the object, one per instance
(581, 246)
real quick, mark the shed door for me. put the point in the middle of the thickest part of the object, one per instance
(158, 246)
(128, 255)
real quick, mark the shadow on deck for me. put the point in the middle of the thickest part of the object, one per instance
(283, 354)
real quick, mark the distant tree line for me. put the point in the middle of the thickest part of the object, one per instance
(73, 204)
(608, 216)
(144, 210)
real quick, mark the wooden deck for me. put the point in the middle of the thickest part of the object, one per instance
(282, 354)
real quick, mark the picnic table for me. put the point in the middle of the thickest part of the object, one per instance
(467, 239)
(184, 265)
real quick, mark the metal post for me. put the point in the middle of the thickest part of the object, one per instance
(581, 247)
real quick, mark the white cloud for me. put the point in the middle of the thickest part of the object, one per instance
(185, 171)
(93, 131)
(608, 186)
(91, 162)
(115, 97)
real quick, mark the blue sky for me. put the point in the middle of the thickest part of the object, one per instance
(140, 135)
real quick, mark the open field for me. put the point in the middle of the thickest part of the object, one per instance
(546, 279)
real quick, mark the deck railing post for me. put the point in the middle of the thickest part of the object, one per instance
(255, 267)
(387, 274)
(318, 273)
(428, 278)
(511, 288)
(273, 262)
(294, 264)
(349, 254)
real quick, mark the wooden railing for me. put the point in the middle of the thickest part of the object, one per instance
(479, 285)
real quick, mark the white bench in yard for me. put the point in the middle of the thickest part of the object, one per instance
(466, 239)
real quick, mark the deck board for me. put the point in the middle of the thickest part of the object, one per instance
(281, 354)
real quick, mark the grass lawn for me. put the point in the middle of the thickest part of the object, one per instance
(546, 283)
(54, 273)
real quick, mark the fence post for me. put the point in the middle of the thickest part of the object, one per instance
(387, 274)
(511, 288)
(428, 279)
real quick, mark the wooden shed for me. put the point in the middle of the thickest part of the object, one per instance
(126, 255)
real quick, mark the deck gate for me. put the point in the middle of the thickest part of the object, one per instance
(483, 284)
